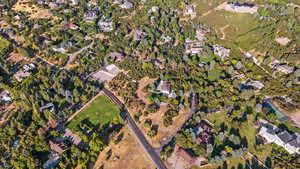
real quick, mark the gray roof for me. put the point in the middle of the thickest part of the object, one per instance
(285, 136)
(295, 142)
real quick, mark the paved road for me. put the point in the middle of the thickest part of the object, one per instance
(136, 131)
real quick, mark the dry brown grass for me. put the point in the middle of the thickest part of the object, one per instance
(34, 11)
(130, 153)
(157, 118)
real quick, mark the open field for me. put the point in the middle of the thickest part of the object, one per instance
(101, 110)
(129, 152)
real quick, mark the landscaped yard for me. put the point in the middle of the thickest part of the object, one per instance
(4, 44)
(101, 110)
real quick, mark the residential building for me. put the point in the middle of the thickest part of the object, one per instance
(69, 26)
(254, 83)
(74, 138)
(90, 15)
(221, 51)
(190, 10)
(57, 147)
(5, 97)
(116, 56)
(107, 73)
(63, 47)
(48, 106)
(272, 134)
(126, 5)
(52, 161)
(281, 67)
(106, 25)
(25, 72)
(241, 7)
(164, 87)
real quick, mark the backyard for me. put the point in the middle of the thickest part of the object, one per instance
(4, 44)
(100, 111)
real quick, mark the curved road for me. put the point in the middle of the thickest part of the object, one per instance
(136, 131)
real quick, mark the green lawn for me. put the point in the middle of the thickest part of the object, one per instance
(4, 44)
(101, 110)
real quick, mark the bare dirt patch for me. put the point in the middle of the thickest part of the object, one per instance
(140, 91)
(157, 118)
(163, 132)
(129, 153)
(34, 11)
(222, 30)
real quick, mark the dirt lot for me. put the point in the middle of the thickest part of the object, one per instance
(142, 84)
(157, 118)
(130, 153)
(34, 11)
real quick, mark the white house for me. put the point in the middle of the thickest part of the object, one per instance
(294, 145)
(164, 87)
(272, 134)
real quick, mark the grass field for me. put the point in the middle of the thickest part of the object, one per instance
(4, 44)
(102, 111)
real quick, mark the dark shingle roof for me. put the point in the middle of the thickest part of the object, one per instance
(285, 136)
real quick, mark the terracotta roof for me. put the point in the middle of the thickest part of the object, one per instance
(56, 147)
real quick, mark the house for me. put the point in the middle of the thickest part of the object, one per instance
(52, 5)
(106, 25)
(138, 34)
(294, 145)
(116, 56)
(126, 5)
(166, 38)
(69, 26)
(240, 7)
(74, 2)
(164, 87)
(254, 83)
(63, 47)
(200, 34)
(190, 10)
(48, 106)
(154, 9)
(90, 15)
(15, 144)
(221, 51)
(5, 97)
(75, 139)
(203, 133)
(272, 134)
(52, 161)
(57, 147)
(25, 72)
(193, 47)
(281, 67)
(284, 68)
(106, 74)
